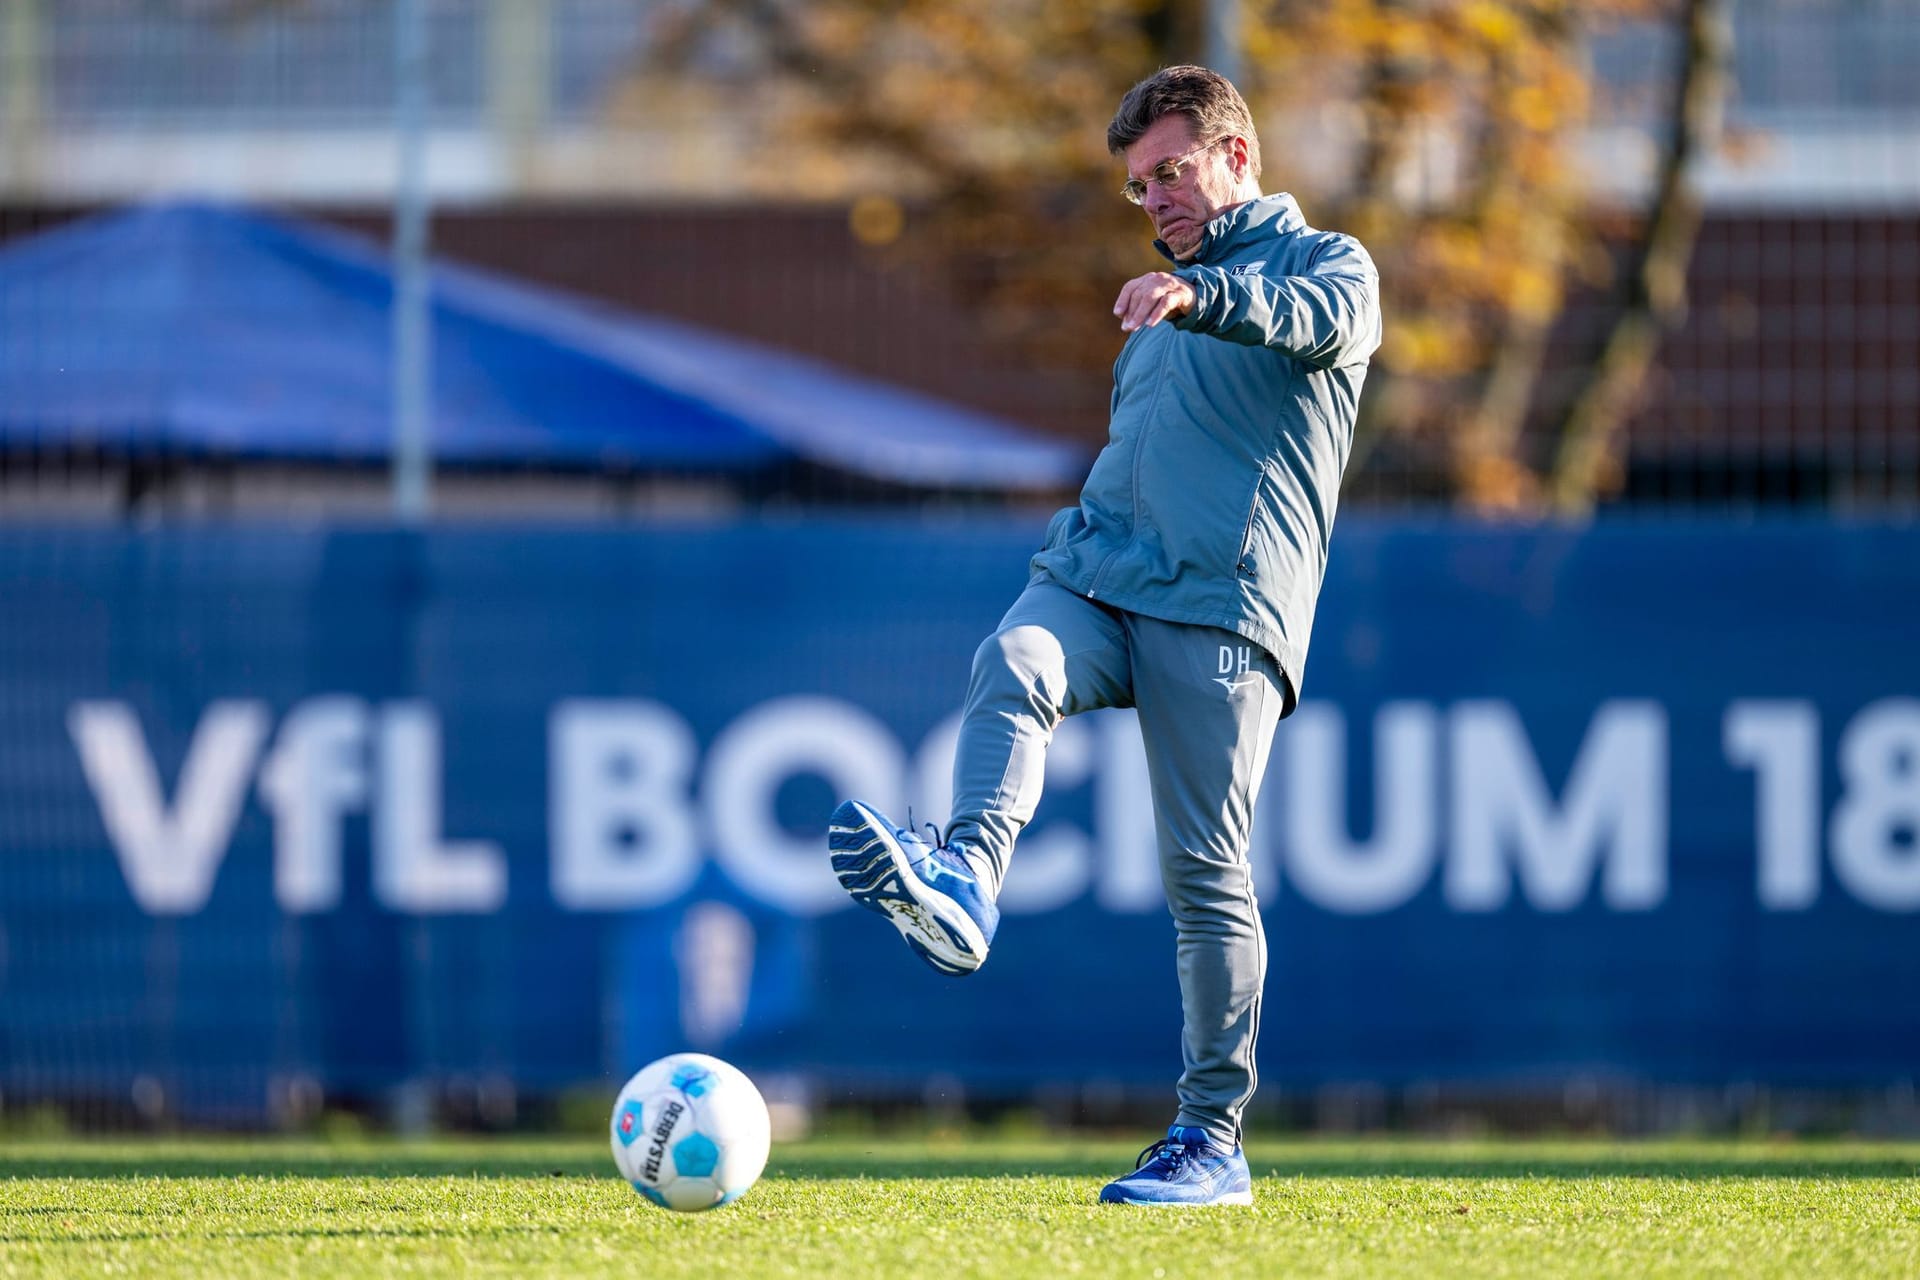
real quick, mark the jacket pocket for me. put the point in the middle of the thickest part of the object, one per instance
(1246, 563)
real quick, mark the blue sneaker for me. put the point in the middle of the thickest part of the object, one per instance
(928, 891)
(1184, 1168)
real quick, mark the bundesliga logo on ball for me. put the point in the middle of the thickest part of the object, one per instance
(690, 1132)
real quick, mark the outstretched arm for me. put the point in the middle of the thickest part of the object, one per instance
(1327, 317)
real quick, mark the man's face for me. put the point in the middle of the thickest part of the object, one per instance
(1206, 186)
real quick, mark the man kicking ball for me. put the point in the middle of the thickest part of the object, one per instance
(1182, 585)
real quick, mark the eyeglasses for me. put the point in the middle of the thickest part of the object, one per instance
(1168, 173)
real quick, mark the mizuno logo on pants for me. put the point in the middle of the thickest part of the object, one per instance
(1236, 660)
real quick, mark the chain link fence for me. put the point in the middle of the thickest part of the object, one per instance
(554, 158)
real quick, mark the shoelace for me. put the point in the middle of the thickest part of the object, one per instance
(933, 829)
(1179, 1153)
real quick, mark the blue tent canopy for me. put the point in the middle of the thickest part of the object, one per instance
(207, 330)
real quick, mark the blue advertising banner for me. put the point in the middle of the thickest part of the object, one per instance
(359, 806)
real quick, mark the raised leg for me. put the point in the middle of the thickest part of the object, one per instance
(1055, 654)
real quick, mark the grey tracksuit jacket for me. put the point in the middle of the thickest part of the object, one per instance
(1213, 500)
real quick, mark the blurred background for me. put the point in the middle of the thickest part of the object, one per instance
(479, 479)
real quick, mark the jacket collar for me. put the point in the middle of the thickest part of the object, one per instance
(1272, 215)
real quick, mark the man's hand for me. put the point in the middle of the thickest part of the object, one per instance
(1149, 299)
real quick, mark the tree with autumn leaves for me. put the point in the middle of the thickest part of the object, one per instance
(1440, 132)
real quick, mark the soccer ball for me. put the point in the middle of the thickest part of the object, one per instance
(690, 1132)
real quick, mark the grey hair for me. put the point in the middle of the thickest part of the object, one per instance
(1206, 98)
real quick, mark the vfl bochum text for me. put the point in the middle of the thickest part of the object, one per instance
(635, 805)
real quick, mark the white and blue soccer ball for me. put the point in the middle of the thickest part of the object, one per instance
(690, 1132)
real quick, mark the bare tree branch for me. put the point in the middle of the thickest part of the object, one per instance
(1488, 472)
(1657, 298)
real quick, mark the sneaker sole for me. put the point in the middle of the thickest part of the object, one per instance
(1242, 1198)
(874, 870)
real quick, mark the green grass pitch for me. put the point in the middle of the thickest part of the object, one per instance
(986, 1206)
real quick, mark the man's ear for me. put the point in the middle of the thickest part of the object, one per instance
(1239, 158)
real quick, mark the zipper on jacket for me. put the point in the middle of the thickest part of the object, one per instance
(1159, 374)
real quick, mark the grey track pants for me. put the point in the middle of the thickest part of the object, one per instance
(1208, 701)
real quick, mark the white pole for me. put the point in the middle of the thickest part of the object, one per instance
(1223, 39)
(412, 315)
